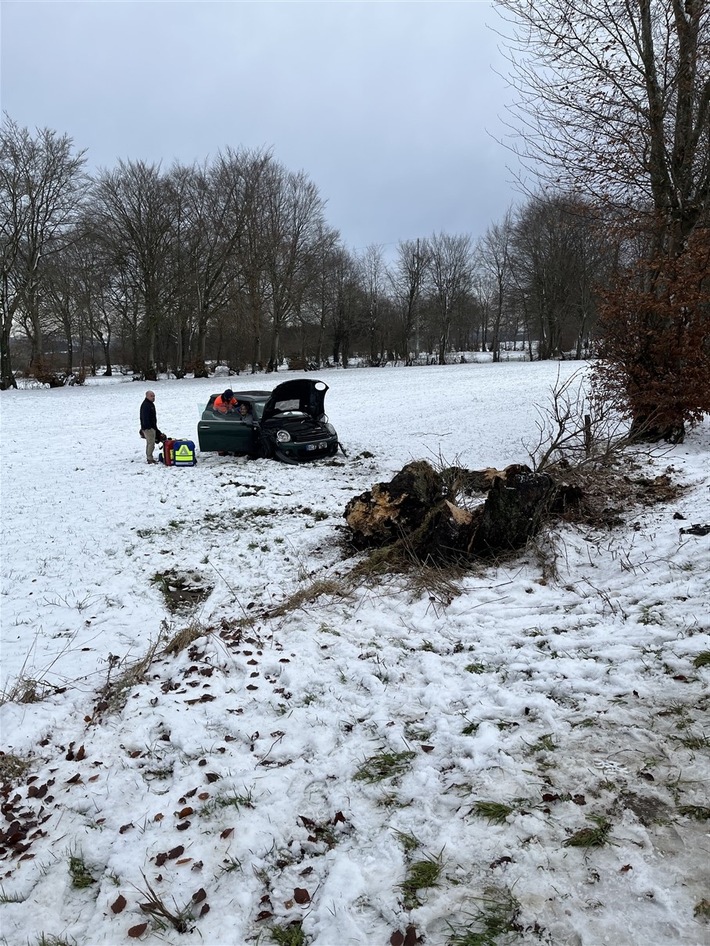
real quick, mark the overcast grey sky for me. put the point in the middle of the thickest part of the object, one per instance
(391, 108)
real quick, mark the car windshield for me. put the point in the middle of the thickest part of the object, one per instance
(292, 406)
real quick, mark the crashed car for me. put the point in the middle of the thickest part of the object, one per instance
(287, 424)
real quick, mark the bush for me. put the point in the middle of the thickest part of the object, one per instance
(654, 342)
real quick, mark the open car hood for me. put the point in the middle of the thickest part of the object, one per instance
(299, 395)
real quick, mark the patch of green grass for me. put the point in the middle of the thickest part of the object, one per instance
(597, 836)
(81, 876)
(496, 812)
(475, 668)
(384, 765)
(420, 875)
(674, 708)
(408, 841)
(650, 614)
(694, 742)
(165, 771)
(230, 800)
(497, 917)
(702, 659)
(544, 744)
(587, 723)
(470, 729)
(291, 935)
(48, 939)
(415, 734)
(11, 897)
(698, 812)
(392, 800)
(231, 864)
(154, 905)
(702, 909)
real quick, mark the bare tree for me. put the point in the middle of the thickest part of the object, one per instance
(319, 303)
(134, 213)
(293, 222)
(450, 272)
(63, 298)
(493, 259)
(347, 299)
(216, 209)
(41, 187)
(252, 295)
(614, 102)
(557, 256)
(407, 276)
(371, 274)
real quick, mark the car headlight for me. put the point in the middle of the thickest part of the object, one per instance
(283, 436)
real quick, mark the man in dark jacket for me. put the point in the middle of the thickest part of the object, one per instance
(149, 424)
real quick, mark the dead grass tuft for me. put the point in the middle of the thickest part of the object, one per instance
(27, 690)
(182, 639)
(12, 767)
(114, 694)
(333, 587)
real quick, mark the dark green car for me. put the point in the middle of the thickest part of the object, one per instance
(287, 424)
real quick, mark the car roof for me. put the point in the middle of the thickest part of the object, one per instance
(250, 395)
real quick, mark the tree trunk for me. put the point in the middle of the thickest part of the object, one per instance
(7, 377)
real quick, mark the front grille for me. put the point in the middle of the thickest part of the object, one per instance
(304, 431)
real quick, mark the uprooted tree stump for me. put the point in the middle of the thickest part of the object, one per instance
(418, 509)
(383, 514)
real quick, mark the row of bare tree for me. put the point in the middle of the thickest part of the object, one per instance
(234, 261)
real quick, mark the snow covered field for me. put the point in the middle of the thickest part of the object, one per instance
(526, 764)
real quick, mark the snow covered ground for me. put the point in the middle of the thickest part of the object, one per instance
(527, 763)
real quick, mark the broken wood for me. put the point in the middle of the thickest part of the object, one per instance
(390, 510)
(417, 509)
